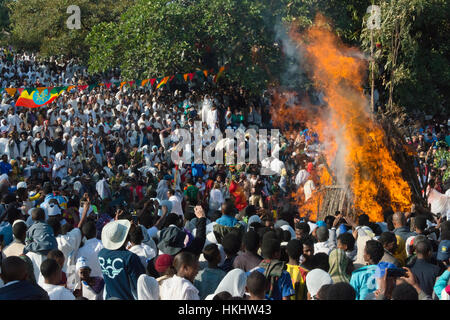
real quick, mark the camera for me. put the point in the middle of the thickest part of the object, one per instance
(395, 272)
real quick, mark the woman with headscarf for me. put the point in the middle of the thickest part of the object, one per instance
(12, 149)
(76, 140)
(315, 279)
(155, 157)
(59, 166)
(161, 190)
(339, 264)
(233, 283)
(147, 288)
(132, 136)
(118, 125)
(4, 127)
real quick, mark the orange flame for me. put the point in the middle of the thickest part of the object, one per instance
(354, 142)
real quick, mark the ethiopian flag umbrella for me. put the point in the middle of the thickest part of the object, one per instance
(32, 98)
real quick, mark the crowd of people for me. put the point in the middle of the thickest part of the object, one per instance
(93, 207)
(429, 139)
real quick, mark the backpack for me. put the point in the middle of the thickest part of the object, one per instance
(273, 269)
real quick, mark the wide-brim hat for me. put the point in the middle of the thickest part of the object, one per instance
(172, 240)
(115, 233)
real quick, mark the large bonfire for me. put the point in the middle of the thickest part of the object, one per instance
(354, 143)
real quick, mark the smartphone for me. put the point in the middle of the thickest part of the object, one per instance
(396, 272)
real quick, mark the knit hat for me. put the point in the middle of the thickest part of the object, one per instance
(163, 262)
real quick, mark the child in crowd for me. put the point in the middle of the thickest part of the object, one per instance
(209, 278)
(58, 256)
(51, 271)
(256, 286)
(298, 274)
(180, 286)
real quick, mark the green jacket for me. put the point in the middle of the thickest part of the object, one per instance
(221, 231)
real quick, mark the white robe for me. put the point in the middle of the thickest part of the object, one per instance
(301, 177)
(440, 203)
(162, 189)
(59, 162)
(206, 107)
(308, 189)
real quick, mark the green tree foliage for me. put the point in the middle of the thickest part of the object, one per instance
(4, 19)
(41, 25)
(4, 16)
(164, 37)
(414, 52)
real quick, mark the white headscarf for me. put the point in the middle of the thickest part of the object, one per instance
(58, 156)
(210, 238)
(147, 288)
(162, 189)
(4, 178)
(315, 279)
(361, 245)
(233, 283)
(77, 186)
(287, 227)
(440, 203)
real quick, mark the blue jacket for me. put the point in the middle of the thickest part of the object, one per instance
(197, 169)
(6, 231)
(121, 270)
(227, 221)
(5, 167)
(363, 281)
